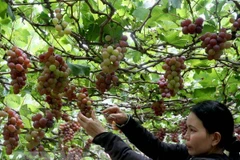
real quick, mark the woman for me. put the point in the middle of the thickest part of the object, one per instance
(210, 129)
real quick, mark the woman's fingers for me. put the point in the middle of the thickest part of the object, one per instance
(81, 118)
(110, 110)
(93, 116)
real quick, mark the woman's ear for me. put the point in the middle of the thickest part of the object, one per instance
(216, 138)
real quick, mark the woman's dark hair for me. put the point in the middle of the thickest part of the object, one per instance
(216, 117)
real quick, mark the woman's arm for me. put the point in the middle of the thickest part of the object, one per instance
(150, 145)
(116, 147)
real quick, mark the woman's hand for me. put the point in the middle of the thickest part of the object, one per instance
(115, 114)
(92, 125)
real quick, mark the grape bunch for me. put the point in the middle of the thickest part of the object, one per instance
(60, 25)
(172, 81)
(54, 101)
(11, 129)
(161, 133)
(74, 154)
(88, 144)
(174, 137)
(70, 92)
(112, 55)
(158, 107)
(65, 117)
(18, 63)
(237, 132)
(43, 122)
(68, 129)
(34, 138)
(214, 43)
(183, 126)
(84, 102)
(191, 28)
(235, 24)
(54, 78)
(104, 81)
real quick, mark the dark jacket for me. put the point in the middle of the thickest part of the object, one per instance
(147, 143)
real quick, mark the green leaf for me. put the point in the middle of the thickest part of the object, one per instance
(136, 56)
(13, 101)
(3, 6)
(3, 9)
(176, 3)
(140, 13)
(24, 110)
(77, 69)
(43, 17)
(207, 78)
(5, 21)
(26, 122)
(204, 94)
(10, 13)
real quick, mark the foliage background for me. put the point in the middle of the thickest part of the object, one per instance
(154, 34)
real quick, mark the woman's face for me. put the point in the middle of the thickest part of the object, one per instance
(198, 141)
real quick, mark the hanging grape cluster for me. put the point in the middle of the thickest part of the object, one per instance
(43, 122)
(191, 28)
(84, 102)
(74, 154)
(158, 107)
(174, 137)
(68, 129)
(183, 127)
(18, 63)
(105, 80)
(237, 132)
(112, 55)
(160, 134)
(11, 129)
(70, 92)
(172, 81)
(60, 25)
(214, 43)
(54, 77)
(34, 138)
(235, 24)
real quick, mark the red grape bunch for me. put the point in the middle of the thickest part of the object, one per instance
(60, 25)
(34, 138)
(70, 92)
(68, 129)
(43, 122)
(174, 137)
(161, 133)
(172, 81)
(105, 81)
(183, 126)
(235, 24)
(74, 154)
(88, 144)
(237, 132)
(84, 102)
(54, 101)
(11, 129)
(18, 63)
(112, 55)
(54, 78)
(191, 28)
(214, 43)
(158, 107)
